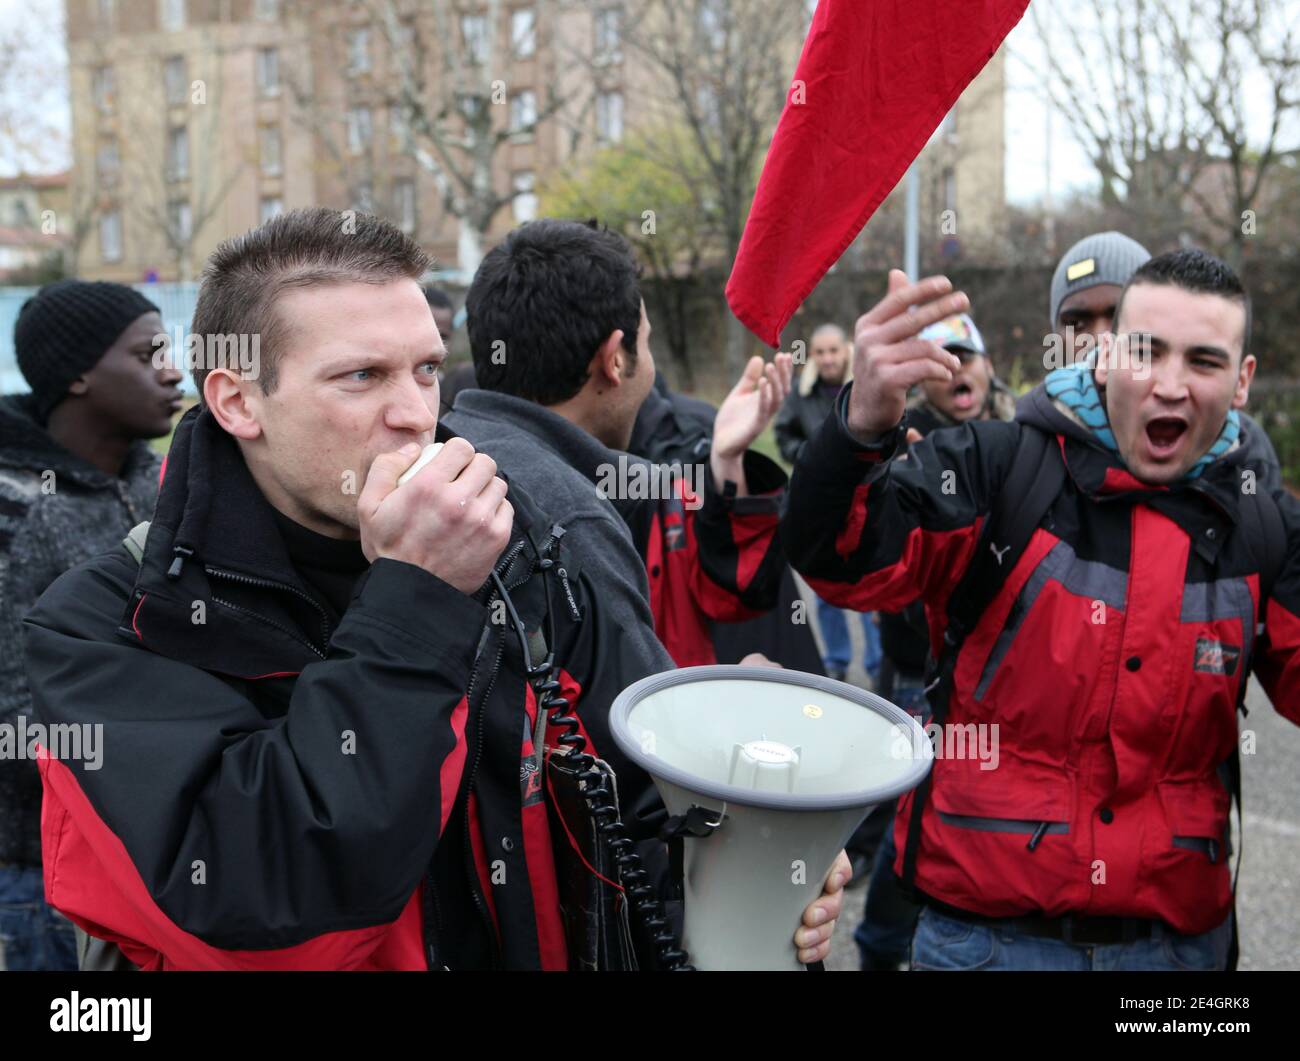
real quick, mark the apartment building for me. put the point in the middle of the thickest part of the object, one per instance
(194, 120)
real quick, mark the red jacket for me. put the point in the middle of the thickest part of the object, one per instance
(715, 558)
(1110, 662)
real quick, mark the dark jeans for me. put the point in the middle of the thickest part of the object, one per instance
(943, 942)
(889, 916)
(32, 935)
(834, 626)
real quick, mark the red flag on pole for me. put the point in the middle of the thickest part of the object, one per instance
(875, 79)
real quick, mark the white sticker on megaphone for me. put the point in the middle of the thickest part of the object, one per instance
(427, 454)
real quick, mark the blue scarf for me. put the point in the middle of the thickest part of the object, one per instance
(1075, 388)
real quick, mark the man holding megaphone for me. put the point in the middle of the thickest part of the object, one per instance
(1093, 576)
(318, 685)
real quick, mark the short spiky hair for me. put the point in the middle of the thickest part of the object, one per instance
(1194, 270)
(303, 248)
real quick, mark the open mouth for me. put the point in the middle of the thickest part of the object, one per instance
(1164, 435)
(963, 397)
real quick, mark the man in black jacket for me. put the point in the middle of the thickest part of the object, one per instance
(76, 473)
(807, 406)
(800, 419)
(321, 751)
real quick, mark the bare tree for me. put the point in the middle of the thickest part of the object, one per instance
(449, 64)
(1163, 94)
(32, 89)
(721, 69)
(1232, 52)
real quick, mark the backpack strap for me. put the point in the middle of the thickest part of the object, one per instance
(1269, 534)
(134, 541)
(1033, 482)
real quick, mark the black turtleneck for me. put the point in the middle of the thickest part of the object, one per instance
(330, 566)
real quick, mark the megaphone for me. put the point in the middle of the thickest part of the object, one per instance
(780, 767)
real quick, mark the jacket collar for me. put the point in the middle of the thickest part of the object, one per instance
(214, 541)
(25, 443)
(508, 414)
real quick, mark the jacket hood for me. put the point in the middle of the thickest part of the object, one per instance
(25, 443)
(518, 419)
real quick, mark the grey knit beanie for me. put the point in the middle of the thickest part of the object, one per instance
(1105, 258)
(65, 328)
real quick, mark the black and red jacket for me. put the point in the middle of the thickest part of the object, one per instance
(278, 791)
(1110, 661)
(709, 555)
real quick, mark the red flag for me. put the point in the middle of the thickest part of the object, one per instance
(875, 79)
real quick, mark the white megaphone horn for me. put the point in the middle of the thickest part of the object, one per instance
(780, 767)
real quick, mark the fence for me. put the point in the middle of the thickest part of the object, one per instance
(176, 301)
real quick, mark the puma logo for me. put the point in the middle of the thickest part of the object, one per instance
(999, 553)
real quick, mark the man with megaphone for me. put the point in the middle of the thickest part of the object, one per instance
(318, 685)
(1093, 575)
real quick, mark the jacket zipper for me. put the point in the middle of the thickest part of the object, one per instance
(471, 870)
(284, 587)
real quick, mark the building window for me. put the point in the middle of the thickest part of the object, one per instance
(104, 86)
(359, 129)
(174, 81)
(270, 206)
(358, 51)
(524, 204)
(609, 35)
(404, 204)
(22, 215)
(178, 153)
(173, 15)
(179, 219)
(523, 111)
(110, 236)
(366, 197)
(523, 33)
(474, 108)
(474, 32)
(108, 163)
(105, 15)
(609, 117)
(950, 189)
(269, 150)
(266, 10)
(268, 71)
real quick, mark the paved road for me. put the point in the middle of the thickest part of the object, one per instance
(1268, 893)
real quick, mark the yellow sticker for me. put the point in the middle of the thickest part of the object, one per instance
(1079, 269)
(812, 711)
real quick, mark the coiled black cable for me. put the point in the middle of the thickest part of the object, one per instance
(637, 886)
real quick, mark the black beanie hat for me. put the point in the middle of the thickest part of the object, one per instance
(65, 328)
